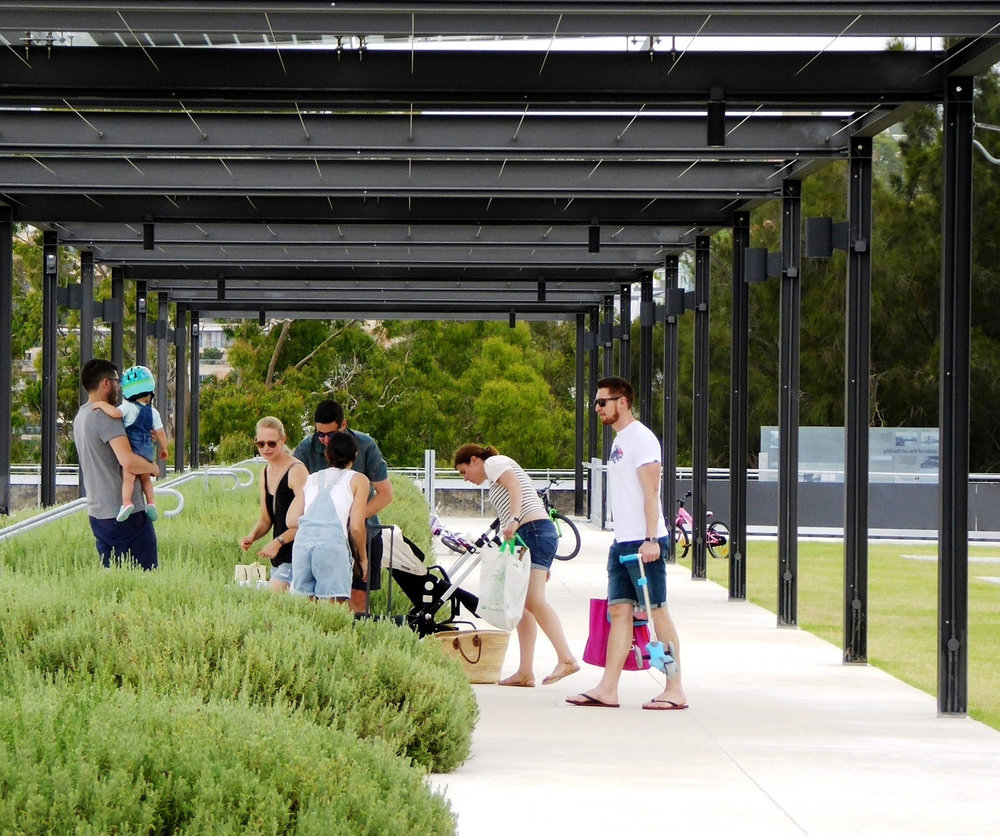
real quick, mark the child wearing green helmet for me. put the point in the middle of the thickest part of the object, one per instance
(142, 423)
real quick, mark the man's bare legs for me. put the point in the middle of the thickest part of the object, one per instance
(619, 644)
(672, 695)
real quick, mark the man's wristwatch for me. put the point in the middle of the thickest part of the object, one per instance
(516, 519)
(651, 540)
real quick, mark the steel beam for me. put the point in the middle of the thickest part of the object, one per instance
(324, 134)
(107, 22)
(375, 178)
(496, 78)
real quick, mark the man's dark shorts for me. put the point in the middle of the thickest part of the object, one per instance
(374, 562)
(623, 578)
(132, 541)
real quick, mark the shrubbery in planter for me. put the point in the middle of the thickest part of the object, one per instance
(84, 759)
(146, 632)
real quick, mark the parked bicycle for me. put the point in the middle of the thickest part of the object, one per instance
(463, 543)
(716, 533)
(569, 534)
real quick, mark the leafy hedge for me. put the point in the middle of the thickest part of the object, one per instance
(145, 631)
(93, 760)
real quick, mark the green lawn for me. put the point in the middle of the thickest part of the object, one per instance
(902, 609)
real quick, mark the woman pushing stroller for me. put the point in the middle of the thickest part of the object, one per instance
(521, 512)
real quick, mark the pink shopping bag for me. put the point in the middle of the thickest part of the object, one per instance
(596, 650)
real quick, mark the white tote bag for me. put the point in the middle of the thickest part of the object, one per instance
(503, 585)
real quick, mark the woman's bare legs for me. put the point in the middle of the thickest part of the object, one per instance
(527, 631)
(547, 619)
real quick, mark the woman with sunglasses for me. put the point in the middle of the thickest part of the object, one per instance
(281, 482)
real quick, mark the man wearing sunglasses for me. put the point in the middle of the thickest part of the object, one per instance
(103, 450)
(329, 419)
(639, 526)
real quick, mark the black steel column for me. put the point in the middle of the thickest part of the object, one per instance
(118, 317)
(857, 401)
(668, 488)
(180, 385)
(953, 540)
(699, 435)
(195, 389)
(739, 411)
(50, 373)
(6, 347)
(625, 340)
(86, 314)
(647, 318)
(162, 363)
(593, 341)
(788, 404)
(607, 340)
(141, 329)
(582, 399)
(86, 332)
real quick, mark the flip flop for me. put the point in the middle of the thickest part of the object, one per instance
(588, 701)
(664, 705)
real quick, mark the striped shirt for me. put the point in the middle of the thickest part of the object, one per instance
(495, 467)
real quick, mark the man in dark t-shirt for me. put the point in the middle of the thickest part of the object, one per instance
(311, 451)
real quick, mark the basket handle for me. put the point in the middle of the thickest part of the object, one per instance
(476, 642)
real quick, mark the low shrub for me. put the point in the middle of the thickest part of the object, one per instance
(90, 760)
(147, 631)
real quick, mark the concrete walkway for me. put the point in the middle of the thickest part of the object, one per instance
(781, 737)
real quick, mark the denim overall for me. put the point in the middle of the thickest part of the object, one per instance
(321, 556)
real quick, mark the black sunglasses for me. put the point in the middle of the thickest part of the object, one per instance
(326, 435)
(603, 402)
(269, 444)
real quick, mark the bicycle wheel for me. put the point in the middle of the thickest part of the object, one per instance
(569, 537)
(453, 544)
(718, 539)
(682, 542)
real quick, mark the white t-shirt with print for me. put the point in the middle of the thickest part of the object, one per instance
(633, 447)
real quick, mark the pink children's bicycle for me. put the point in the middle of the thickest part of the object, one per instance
(716, 535)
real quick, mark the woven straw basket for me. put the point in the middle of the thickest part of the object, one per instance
(480, 652)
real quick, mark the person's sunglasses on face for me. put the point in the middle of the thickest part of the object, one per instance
(269, 444)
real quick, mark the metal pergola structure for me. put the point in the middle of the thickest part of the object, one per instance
(495, 160)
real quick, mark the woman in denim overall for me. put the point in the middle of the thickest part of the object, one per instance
(329, 516)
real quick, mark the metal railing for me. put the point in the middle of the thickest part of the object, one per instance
(162, 489)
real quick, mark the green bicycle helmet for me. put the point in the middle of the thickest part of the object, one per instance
(137, 380)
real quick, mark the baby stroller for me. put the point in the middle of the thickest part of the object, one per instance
(431, 588)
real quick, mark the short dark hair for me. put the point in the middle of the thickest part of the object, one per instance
(328, 412)
(341, 449)
(619, 387)
(94, 371)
